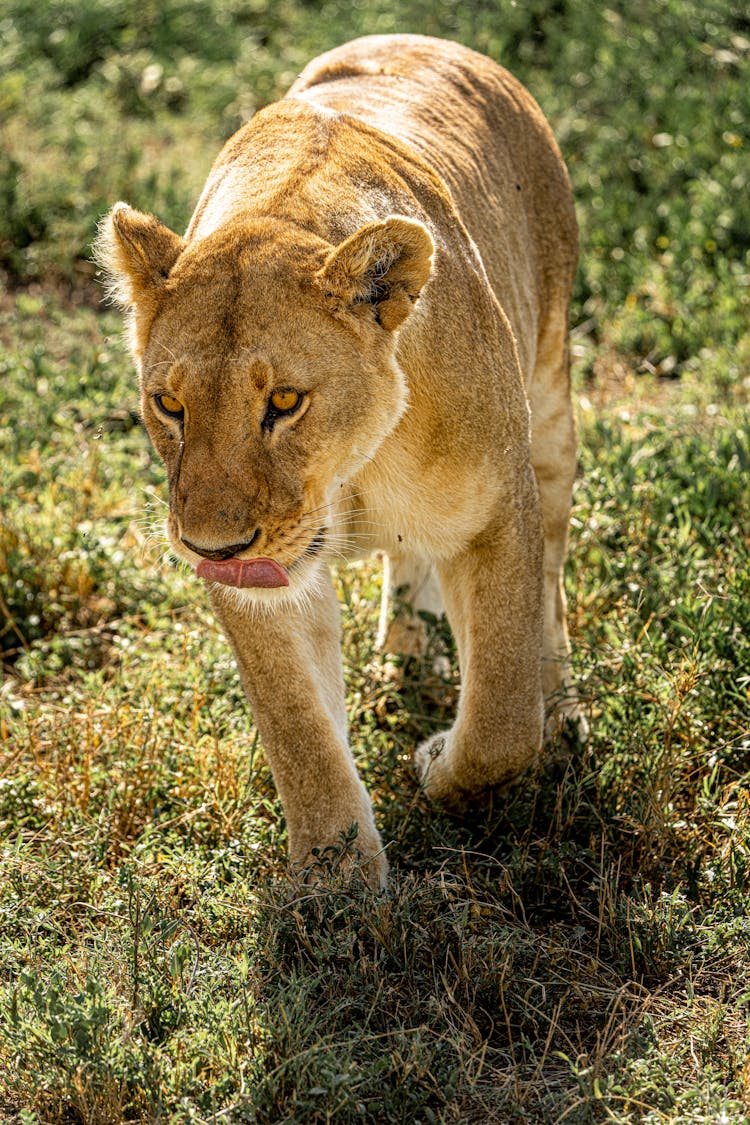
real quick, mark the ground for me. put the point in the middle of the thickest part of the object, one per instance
(577, 951)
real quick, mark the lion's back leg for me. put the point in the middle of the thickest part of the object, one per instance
(553, 456)
(410, 588)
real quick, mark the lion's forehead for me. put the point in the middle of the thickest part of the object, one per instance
(189, 365)
(241, 376)
(201, 324)
(276, 320)
(214, 348)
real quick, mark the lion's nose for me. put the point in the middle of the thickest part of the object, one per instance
(217, 554)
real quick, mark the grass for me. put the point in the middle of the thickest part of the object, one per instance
(578, 954)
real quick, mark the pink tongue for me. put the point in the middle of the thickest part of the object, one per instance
(243, 573)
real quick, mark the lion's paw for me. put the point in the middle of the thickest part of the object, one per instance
(355, 855)
(432, 761)
(568, 723)
(457, 778)
(406, 636)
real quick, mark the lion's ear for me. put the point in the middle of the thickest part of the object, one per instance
(382, 264)
(136, 253)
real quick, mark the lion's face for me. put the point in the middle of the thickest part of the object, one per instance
(268, 378)
(261, 402)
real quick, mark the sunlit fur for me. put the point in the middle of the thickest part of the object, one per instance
(396, 242)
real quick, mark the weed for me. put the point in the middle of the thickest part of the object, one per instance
(577, 951)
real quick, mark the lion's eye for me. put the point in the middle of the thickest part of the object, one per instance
(284, 401)
(169, 405)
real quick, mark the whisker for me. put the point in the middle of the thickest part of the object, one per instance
(161, 363)
(154, 496)
(309, 524)
(168, 351)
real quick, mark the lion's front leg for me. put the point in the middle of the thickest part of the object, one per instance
(493, 596)
(290, 665)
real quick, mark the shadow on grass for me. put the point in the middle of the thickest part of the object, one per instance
(494, 982)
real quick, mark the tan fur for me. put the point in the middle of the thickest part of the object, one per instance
(396, 241)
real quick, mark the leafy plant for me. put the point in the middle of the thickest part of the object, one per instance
(576, 951)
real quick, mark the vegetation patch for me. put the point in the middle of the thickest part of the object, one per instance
(577, 952)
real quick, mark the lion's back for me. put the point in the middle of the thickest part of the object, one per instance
(486, 137)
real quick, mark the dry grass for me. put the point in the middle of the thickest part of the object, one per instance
(577, 952)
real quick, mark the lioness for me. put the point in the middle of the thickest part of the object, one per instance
(361, 345)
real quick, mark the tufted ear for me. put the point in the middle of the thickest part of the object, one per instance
(136, 253)
(383, 265)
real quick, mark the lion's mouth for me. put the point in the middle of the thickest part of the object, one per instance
(258, 573)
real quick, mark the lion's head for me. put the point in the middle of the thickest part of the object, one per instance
(268, 377)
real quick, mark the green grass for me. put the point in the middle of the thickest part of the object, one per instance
(579, 953)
